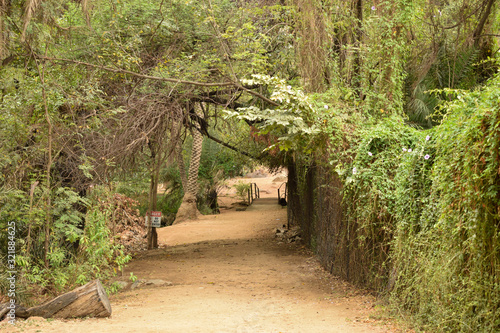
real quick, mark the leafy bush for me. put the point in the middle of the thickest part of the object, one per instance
(423, 209)
(242, 189)
(448, 222)
(369, 194)
(99, 256)
(80, 246)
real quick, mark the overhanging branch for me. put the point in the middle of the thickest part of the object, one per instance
(227, 145)
(165, 79)
(256, 94)
(144, 76)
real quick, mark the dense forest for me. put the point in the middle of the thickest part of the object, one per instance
(386, 114)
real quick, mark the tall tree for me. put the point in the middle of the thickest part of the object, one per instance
(188, 209)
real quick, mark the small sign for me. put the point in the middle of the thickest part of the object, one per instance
(155, 218)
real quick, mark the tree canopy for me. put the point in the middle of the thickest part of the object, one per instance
(96, 92)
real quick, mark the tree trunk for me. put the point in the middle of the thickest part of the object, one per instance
(176, 154)
(194, 164)
(188, 209)
(159, 154)
(89, 300)
(152, 235)
(181, 166)
(479, 29)
(156, 162)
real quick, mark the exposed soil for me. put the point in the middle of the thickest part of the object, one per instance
(228, 273)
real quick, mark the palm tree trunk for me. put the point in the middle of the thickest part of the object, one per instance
(194, 165)
(188, 209)
(177, 152)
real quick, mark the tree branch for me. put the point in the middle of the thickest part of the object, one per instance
(158, 78)
(480, 26)
(227, 145)
(150, 77)
(256, 94)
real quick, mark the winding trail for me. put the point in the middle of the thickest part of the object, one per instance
(228, 273)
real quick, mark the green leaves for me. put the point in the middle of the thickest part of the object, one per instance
(69, 218)
(292, 123)
(431, 196)
(447, 218)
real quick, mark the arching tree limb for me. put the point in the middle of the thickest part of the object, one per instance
(165, 79)
(144, 76)
(227, 145)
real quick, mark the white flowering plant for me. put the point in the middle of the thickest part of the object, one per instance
(292, 121)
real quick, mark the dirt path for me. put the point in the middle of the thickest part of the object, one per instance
(227, 273)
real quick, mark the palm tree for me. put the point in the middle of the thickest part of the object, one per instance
(188, 209)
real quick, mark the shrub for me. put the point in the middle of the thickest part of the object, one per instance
(242, 189)
(447, 245)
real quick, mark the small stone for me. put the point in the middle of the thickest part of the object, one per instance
(158, 282)
(135, 284)
(122, 284)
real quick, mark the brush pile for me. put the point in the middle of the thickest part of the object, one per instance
(288, 235)
(126, 224)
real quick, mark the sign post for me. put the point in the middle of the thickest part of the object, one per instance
(153, 221)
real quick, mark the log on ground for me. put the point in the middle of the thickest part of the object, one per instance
(89, 300)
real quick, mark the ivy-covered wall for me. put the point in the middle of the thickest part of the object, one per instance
(315, 204)
(413, 214)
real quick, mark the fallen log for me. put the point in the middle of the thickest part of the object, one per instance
(89, 300)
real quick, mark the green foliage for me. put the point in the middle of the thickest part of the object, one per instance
(452, 234)
(369, 192)
(383, 57)
(443, 56)
(80, 247)
(242, 189)
(413, 181)
(429, 94)
(171, 200)
(132, 277)
(215, 158)
(68, 217)
(422, 211)
(217, 164)
(292, 122)
(101, 257)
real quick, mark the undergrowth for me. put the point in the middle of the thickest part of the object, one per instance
(446, 248)
(424, 206)
(80, 246)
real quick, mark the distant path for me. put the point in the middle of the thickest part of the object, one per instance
(229, 274)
